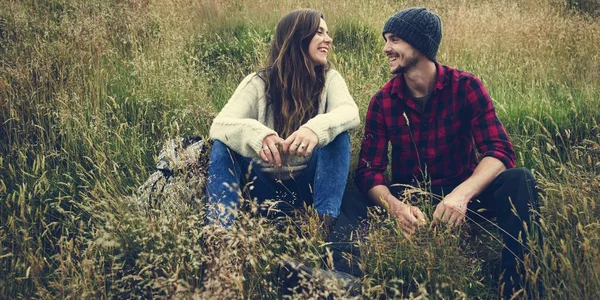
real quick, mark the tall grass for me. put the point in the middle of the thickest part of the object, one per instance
(90, 89)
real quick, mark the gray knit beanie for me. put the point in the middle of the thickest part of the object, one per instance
(419, 27)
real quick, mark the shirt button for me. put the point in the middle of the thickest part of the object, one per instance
(422, 148)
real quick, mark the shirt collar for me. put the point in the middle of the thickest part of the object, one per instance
(398, 81)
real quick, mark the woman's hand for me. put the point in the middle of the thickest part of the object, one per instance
(300, 143)
(270, 150)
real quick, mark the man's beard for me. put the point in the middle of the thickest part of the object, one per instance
(410, 63)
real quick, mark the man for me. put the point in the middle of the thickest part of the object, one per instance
(436, 119)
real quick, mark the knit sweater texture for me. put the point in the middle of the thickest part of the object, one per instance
(245, 121)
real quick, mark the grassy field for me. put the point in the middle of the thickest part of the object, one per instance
(89, 91)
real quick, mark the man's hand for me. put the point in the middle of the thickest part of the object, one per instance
(451, 210)
(300, 143)
(409, 217)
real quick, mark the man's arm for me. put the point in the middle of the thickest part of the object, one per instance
(453, 208)
(492, 142)
(372, 159)
(409, 217)
(488, 132)
(486, 171)
(372, 163)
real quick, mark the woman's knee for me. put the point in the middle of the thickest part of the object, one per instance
(222, 154)
(218, 149)
(223, 161)
(339, 146)
(343, 138)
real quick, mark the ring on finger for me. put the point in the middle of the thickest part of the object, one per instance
(302, 146)
(265, 148)
(296, 144)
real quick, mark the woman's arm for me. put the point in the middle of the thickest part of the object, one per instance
(237, 124)
(341, 112)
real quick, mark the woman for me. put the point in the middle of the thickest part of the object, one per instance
(284, 130)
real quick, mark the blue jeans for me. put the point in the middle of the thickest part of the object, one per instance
(322, 182)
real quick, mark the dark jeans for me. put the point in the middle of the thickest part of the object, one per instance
(510, 198)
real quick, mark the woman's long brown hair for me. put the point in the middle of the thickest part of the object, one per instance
(293, 83)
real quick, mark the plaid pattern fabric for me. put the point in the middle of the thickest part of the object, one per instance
(439, 143)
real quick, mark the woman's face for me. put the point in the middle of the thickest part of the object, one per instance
(319, 45)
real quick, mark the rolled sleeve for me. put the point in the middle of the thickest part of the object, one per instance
(489, 134)
(373, 159)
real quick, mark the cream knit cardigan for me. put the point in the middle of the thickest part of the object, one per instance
(244, 121)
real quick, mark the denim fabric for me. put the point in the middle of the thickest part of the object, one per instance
(322, 182)
(331, 174)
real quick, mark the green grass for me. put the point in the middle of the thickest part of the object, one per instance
(89, 90)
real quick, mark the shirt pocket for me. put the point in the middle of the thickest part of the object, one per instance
(400, 137)
(450, 133)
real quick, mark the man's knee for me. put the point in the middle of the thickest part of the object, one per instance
(517, 175)
(520, 186)
(354, 206)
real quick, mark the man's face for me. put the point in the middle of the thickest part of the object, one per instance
(402, 55)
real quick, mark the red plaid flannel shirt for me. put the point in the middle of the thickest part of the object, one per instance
(439, 143)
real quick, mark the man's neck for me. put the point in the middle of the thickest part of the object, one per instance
(421, 78)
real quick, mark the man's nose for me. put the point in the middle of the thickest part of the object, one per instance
(386, 47)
